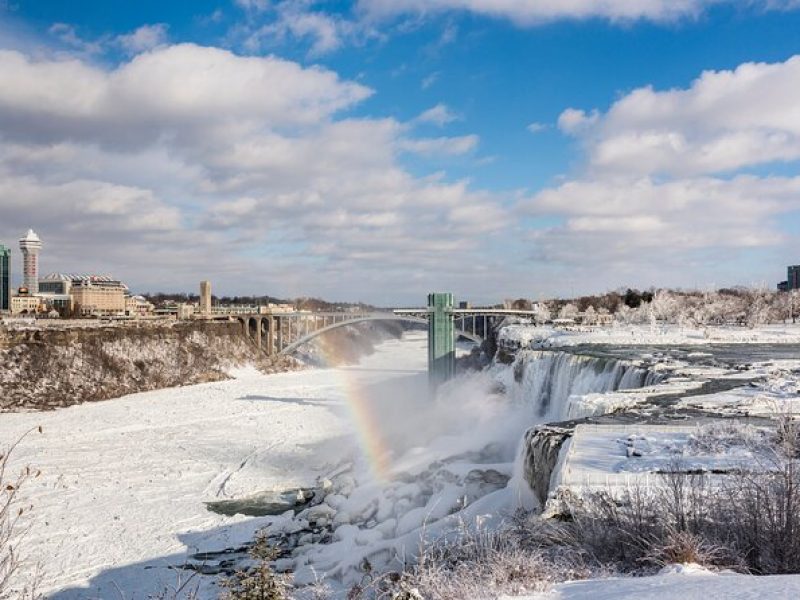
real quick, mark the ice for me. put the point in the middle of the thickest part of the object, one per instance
(524, 336)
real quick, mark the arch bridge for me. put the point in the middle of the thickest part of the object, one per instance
(283, 332)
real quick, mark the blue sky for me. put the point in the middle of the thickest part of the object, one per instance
(496, 149)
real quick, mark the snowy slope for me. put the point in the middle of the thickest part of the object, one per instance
(678, 582)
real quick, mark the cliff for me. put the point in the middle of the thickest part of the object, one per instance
(51, 367)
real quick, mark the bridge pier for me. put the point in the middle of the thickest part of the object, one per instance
(270, 336)
(441, 339)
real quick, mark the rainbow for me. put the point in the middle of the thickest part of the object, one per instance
(370, 433)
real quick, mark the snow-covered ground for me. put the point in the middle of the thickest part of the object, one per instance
(124, 481)
(678, 582)
(620, 456)
(659, 334)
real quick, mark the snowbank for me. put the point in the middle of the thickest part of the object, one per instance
(677, 584)
(523, 336)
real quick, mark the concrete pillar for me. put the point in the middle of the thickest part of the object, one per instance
(441, 339)
(270, 336)
(280, 334)
(258, 331)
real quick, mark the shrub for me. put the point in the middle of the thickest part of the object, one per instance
(477, 565)
(258, 582)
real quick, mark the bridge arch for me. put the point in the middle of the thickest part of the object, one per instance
(364, 318)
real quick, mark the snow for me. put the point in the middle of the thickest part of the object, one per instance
(124, 485)
(778, 393)
(620, 456)
(124, 481)
(678, 582)
(525, 336)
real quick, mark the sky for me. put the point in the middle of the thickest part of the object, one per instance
(377, 150)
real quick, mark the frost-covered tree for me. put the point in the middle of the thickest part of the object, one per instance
(568, 311)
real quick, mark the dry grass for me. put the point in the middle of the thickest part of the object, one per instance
(12, 531)
(475, 565)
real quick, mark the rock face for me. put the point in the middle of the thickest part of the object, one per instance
(541, 451)
(51, 367)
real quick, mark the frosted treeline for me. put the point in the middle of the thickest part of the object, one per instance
(737, 306)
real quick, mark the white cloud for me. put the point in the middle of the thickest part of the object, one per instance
(253, 5)
(574, 121)
(68, 35)
(611, 222)
(295, 19)
(241, 162)
(534, 12)
(439, 115)
(144, 38)
(325, 31)
(724, 121)
(429, 80)
(441, 146)
(180, 89)
(536, 127)
(662, 196)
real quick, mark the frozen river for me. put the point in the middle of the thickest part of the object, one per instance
(124, 481)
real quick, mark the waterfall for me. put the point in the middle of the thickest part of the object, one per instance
(552, 382)
(556, 385)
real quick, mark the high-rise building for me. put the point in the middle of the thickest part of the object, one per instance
(30, 246)
(793, 278)
(205, 297)
(5, 278)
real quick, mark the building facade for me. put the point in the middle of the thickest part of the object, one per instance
(138, 306)
(88, 295)
(793, 278)
(5, 278)
(26, 305)
(98, 296)
(30, 246)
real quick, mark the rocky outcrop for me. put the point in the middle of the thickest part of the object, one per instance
(540, 455)
(50, 367)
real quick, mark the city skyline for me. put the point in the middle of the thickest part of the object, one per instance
(375, 151)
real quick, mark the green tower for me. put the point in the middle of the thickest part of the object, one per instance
(5, 278)
(441, 339)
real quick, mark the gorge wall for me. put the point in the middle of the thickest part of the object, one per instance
(51, 367)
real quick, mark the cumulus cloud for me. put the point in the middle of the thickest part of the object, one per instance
(648, 233)
(68, 35)
(441, 146)
(537, 127)
(250, 164)
(534, 12)
(326, 32)
(724, 121)
(662, 188)
(180, 90)
(144, 38)
(439, 115)
(269, 26)
(253, 5)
